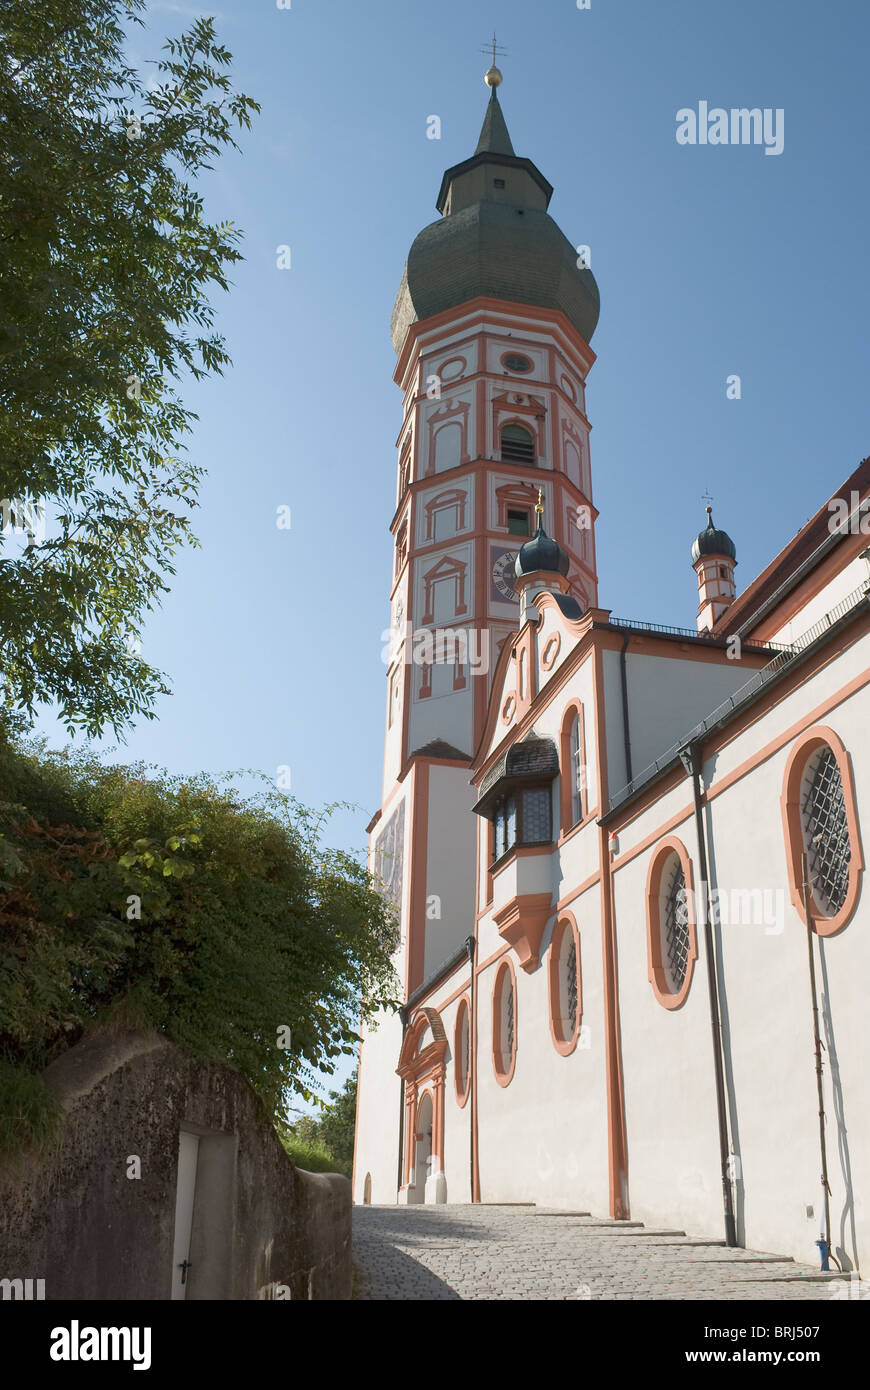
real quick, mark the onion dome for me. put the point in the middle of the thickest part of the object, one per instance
(712, 541)
(494, 238)
(541, 553)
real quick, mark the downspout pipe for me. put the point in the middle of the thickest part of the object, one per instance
(824, 1243)
(470, 947)
(403, 1014)
(691, 758)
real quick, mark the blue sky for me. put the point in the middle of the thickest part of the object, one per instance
(710, 261)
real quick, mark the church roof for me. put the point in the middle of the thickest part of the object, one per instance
(494, 137)
(534, 759)
(439, 748)
(496, 239)
(797, 558)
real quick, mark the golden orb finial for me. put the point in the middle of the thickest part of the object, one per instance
(493, 78)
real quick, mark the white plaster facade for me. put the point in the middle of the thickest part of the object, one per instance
(624, 1122)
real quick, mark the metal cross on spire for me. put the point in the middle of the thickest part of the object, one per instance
(494, 48)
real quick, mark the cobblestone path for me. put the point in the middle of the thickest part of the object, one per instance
(526, 1252)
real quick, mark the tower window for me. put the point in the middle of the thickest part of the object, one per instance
(517, 445)
(723, 571)
(519, 521)
(516, 362)
(499, 183)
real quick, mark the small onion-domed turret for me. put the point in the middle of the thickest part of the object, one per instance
(714, 556)
(541, 564)
(541, 553)
(712, 541)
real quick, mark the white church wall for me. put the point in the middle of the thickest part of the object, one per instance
(393, 741)
(447, 717)
(810, 698)
(552, 627)
(766, 986)
(576, 861)
(666, 698)
(543, 1137)
(670, 1104)
(450, 874)
(377, 1135)
(667, 1054)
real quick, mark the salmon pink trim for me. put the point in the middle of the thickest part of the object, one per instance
(521, 923)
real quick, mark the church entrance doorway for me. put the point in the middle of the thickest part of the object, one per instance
(423, 1167)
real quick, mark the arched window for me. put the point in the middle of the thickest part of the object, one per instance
(575, 771)
(462, 1052)
(504, 1023)
(517, 444)
(565, 990)
(825, 830)
(821, 822)
(671, 936)
(573, 767)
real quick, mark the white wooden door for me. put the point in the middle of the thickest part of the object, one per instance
(188, 1150)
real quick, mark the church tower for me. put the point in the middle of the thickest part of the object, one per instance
(491, 327)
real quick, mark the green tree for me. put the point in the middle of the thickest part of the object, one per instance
(172, 903)
(337, 1125)
(332, 1132)
(106, 263)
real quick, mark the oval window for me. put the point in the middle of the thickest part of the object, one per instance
(516, 362)
(565, 994)
(461, 1052)
(671, 939)
(825, 830)
(504, 1024)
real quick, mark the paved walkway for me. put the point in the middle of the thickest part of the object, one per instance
(504, 1252)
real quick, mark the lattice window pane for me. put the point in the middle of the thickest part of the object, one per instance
(508, 1020)
(463, 1051)
(826, 831)
(510, 815)
(576, 773)
(676, 923)
(537, 829)
(569, 971)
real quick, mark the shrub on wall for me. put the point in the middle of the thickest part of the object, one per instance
(176, 904)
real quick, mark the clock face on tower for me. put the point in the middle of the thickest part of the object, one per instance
(502, 566)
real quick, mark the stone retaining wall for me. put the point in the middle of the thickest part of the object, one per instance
(92, 1229)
